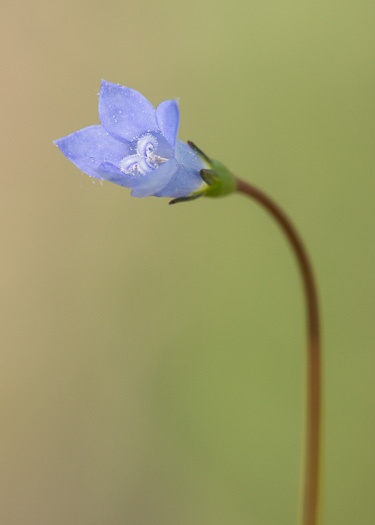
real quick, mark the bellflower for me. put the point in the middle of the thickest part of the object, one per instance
(136, 146)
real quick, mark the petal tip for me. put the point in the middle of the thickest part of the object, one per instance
(58, 142)
(106, 85)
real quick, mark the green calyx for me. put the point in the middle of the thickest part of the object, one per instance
(220, 181)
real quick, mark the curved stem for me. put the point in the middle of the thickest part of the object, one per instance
(311, 482)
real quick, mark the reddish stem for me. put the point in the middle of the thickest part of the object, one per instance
(312, 462)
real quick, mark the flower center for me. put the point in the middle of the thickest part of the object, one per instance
(145, 159)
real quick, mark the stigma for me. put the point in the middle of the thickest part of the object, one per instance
(146, 158)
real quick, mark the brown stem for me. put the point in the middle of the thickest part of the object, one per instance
(312, 464)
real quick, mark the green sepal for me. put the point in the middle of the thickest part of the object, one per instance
(220, 181)
(191, 197)
(208, 176)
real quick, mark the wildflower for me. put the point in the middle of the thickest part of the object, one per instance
(136, 146)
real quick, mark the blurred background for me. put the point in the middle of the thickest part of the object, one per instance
(152, 357)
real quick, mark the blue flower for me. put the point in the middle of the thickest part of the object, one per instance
(136, 146)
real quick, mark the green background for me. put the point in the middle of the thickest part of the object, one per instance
(152, 362)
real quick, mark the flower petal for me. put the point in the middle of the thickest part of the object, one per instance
(90, 147)
(124, 112)
(112, 173)
(185, 181)
(168, 119)
(188, 157)
(155, 180)
(187, 178)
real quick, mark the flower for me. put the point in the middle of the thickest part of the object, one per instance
(136, 146)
